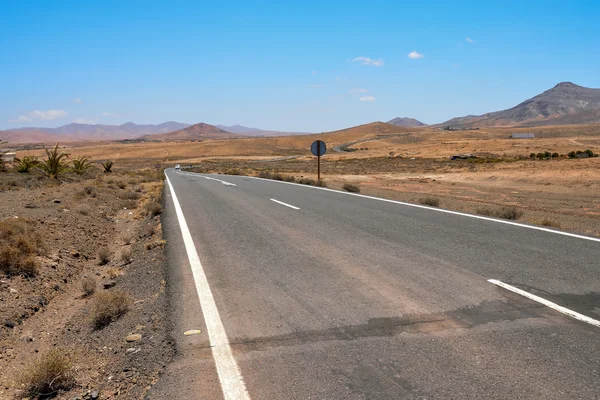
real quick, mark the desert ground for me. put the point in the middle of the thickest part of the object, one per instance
(411, 164)
(102, 230)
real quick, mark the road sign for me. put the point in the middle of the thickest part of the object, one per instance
(318, 148)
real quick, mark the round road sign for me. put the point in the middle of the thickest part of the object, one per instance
(318, 148)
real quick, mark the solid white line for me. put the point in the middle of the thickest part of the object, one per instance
(537, 228)
(285, 204)
(232, 381)
(547, 303)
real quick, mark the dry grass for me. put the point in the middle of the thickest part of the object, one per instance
(107, 307)
(84, 209)
(127, 238)
(104, 256)
(550, 223)
(351, 188)
(503, 212)
(20, 242)
(126, 255)
(48, 375)
(430, 201)
(114, 273)
(88, 285)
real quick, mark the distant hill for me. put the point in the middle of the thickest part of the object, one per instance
(564, 104)
(76, 131)
(404, 121)
(256, 132)
(199, 131)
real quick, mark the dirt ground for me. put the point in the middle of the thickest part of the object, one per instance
(75, 219)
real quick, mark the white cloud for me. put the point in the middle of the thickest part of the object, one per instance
(43, 115)
(358, 90)
(367, 98)
(468, 39)
(108, 114)
(317, 85)
(369, 61)
(83, 121)
(414, 55)
(78, 101)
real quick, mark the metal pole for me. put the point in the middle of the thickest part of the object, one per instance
(319, 168)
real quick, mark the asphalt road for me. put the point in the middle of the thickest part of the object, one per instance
(346, 297)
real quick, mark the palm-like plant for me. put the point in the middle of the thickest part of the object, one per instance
(107, 165)
(25, 164)
(81, 165)
(54, 166)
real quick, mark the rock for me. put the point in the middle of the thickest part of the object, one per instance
(109, 284)
(26, 338)
(75, 254)
(13, 291)
(135, 337)
(57, 201)
(94, 394)
(130, 350)
(9, 324)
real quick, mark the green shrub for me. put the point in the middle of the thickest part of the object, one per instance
(107, 165)
(25, 164)
(81, 165)
(54, 165)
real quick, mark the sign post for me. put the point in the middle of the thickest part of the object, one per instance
(318, 148)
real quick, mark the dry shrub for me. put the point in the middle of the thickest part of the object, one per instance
(503, 212)
(49, 374)
(430, 201)
(114, 273)
(121, 185)
(126, 254)
(153, 208)
(84, 209)
(20, 242)
(351, 188)
(104, 256)
(129, 195)
(127, 238)
(550, 223)
(88, 285)
(107, 307)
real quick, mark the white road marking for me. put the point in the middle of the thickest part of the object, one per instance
(285, 204)
(538, 228)
(218, 180)
(232, 381)
(547, 303)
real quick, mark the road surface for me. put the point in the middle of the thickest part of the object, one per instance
(304, 293)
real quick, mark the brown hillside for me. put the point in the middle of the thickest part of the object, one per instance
(199, 131)
(24, 137)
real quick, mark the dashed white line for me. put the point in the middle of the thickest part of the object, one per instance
(547, 303)
(285, 204)
(218, 180)
(232, 381)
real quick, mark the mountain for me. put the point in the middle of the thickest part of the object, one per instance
(199, 131)
(255, 131)
(76, 131)
(404, 121)
(564, 104)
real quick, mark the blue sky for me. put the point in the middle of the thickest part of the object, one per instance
(307, 66)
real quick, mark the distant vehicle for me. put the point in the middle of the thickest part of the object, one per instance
(178, 166)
